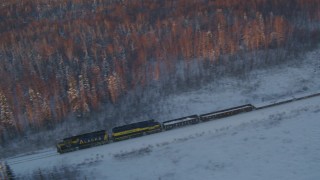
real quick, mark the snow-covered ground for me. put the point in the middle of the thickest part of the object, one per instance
(280, 142)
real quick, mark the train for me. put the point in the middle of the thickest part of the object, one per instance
(142, 128)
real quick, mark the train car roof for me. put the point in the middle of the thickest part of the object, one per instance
(192, 116)
(94, 132)
(133, 125)
(224, 110)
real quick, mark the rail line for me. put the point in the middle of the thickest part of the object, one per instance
(27, 154)
(19, 161)
(288, 101)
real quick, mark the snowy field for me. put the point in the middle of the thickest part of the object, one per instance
(280, 142)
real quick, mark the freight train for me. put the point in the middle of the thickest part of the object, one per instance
(141, 128)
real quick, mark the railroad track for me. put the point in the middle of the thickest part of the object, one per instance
(27, 154)
(27, 158)
(288, 101)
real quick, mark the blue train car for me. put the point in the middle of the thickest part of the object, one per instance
(171, 124)
(226, 112)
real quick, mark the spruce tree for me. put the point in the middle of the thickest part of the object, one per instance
(9, 172)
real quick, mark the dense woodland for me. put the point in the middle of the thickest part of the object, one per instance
(62, 57)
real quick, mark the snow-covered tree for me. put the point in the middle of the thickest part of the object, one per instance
(6, 116)
(6, 172)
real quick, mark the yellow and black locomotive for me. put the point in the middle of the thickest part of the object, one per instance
(101, 137)
(135, 130)
(83, 141)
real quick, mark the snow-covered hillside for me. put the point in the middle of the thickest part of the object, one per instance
(280, 142)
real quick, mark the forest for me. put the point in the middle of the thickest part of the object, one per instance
(77, 57)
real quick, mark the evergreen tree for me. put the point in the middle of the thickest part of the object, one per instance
(9, 172)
